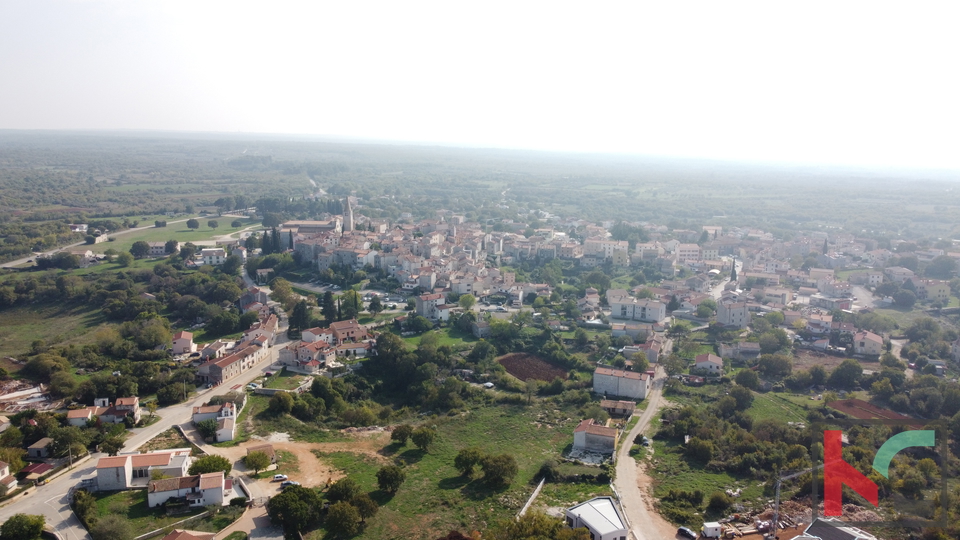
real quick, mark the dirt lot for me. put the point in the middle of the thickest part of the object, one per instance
(527, 366)
(312, 471)
(806, 359)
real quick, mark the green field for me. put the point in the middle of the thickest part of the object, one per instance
(448, 336)
(21, 326)
(435, 499)
(132, 506)
(174, 231)
(784, 407)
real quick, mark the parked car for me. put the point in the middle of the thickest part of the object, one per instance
(278, 477)
(686, 533)
(288, 483)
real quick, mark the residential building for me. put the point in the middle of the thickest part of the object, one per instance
(932, 289)
(213, 256)
(348, 331)
(6, 479)
(617, 382)
(131, 470)
(624, 306)
(742, 350)
(601, 516)
(688, 252)
(159, 249)
(40, 449)
(734, 314)
(710, 363)
(867, 343)
(898, 273)
(618, 408)
(592, 437)
(427, 304)
(183, 343)
(198, 490)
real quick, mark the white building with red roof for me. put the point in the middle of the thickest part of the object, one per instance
(618, 382)
(183, 343)
(592, 437)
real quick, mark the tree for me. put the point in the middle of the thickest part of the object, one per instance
(904, 298)
(390, 478)
(674, 303)
(639, 361)
(733, 272)
(344, 489)
(140, 249)
(365, 505)
(22, 527)
(343, 519)
(124, 259)
(328, 308)
(111, 445)
(535, 526)
(942, 267)
(231, 265)
(743, 396)
(236, 223)
(747, 378)
(257, 461)
(423, 437)
(193, 224)
(209, 464)
(376, 305)
(281, 403)
(171, 247)
(466, 460)
(846, 375)
(775, 366)
(300, 318)
(213, 224)
(581, 337)
(401, 433)
(467, 301)
(111, 527)
(295, 508)
(351, 303)
(719, 501)
(499, 470)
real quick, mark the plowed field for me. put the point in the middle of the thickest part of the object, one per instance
(528, 366)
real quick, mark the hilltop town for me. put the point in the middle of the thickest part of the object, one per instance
(608, 378)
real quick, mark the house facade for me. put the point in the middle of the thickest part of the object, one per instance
(867, 343)
(617, 382)
(592, 437)
(199, 490)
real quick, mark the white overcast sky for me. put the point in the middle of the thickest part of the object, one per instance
(864, 83)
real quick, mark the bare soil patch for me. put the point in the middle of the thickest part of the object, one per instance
(525, 366)
(805, 359)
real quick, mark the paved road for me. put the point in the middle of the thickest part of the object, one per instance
(53, 501)
(645, 522)
(33, 256)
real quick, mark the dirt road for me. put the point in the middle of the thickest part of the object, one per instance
(633, 484)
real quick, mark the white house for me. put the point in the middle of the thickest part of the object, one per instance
(618, 382)
(601, 516)
(624, 306)
(710, 363)
(183, 343)
(867, 343)
(6, 479)
(213, 256)
(592, 437)
(199, 490)
(225, 416)
(733, 314)
(126, 471)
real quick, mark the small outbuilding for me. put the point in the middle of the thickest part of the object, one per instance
(601, 516)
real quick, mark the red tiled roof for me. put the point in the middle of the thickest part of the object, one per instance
(112, 461)
(150, 460)
(37, 468)
(183, 334)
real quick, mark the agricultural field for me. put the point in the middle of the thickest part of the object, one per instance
(21, 326)
(525, 366)
(179, 232)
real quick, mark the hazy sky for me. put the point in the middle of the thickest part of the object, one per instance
(869, 83)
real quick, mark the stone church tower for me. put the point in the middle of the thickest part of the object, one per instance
(347, 216)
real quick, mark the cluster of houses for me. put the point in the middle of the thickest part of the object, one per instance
(220, 360)
(164, 475)
(317, 351)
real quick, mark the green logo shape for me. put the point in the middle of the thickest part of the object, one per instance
(900, 441)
